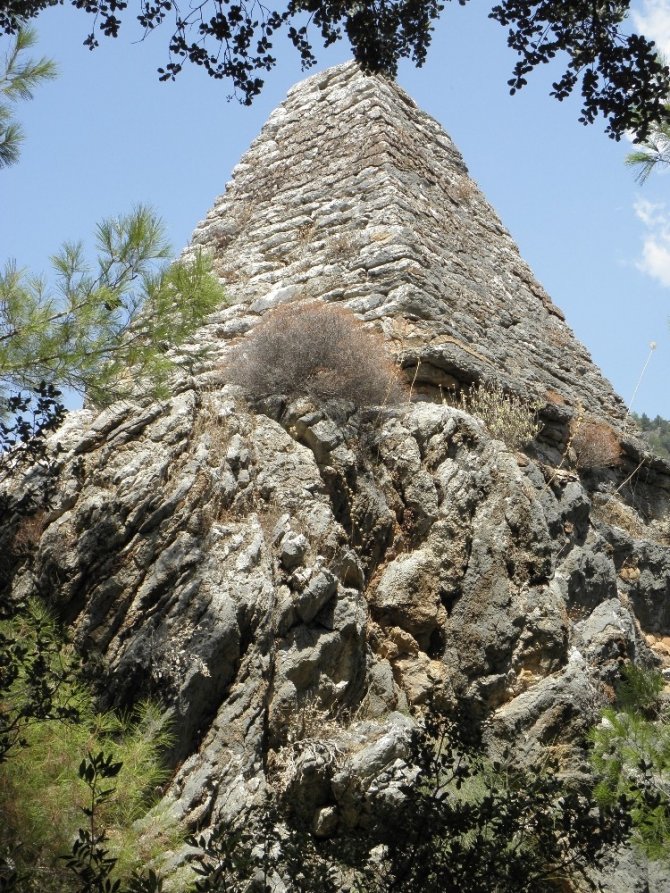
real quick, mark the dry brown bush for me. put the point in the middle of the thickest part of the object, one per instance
(28, 533)
(552, 396)
(316, 350)
(596, 445)
(618, 514)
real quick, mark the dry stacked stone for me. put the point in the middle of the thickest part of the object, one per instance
(352, 194)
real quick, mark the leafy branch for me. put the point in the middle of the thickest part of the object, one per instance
(103, 327)
(18, 78)
(618, 74)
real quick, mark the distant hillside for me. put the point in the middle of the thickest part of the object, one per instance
(656, 432)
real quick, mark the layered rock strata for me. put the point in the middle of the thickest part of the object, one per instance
(269, 571)
(352, 194)
(265, 591)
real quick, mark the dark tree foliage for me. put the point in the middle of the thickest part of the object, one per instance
(236, 858)
(469, 825)
(28, 418)
(656, 432)
(619, 75)
(466, 825)
(25, 421)
(32, 679)
(31, 659)
(224, 859)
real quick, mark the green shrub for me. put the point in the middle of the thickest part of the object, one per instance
(471, 824)
(464, 824)
(631, 754)
(41, 793)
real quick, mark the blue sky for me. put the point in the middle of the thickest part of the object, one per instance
(106, 135)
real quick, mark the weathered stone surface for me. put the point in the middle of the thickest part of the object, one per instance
(352, 194)
(296, 582)
(292, 550)
(206, 585)
(208, 556)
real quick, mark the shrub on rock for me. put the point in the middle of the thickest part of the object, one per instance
(507, 417)
(316, 350)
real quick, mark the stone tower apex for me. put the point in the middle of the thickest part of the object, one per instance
(352, 194)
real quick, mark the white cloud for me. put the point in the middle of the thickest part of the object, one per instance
(655, 260)
(652, 214)
(653, 20)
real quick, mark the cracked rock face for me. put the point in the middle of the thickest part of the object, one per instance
(295, 582)
(257, 587)
(353, 195)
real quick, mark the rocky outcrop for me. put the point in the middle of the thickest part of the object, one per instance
(296, 581)
(263, 589)
(351, 194)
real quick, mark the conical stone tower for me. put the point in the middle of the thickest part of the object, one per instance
(296, 588)
(352, 194)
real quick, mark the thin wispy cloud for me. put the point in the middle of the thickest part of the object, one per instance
(655, 260)
(653, 20)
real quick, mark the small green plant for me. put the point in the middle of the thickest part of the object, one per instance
(631, 754)
(49, 726)
(316, 350)
(506, 416)
(89, 860)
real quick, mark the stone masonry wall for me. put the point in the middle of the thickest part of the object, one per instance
(353, 194)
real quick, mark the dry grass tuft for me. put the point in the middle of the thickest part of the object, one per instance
(463, 190)
(316, 350)
(552, 396)
(310, 738)
(342, 244)
(618, 514)
(507, 417)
